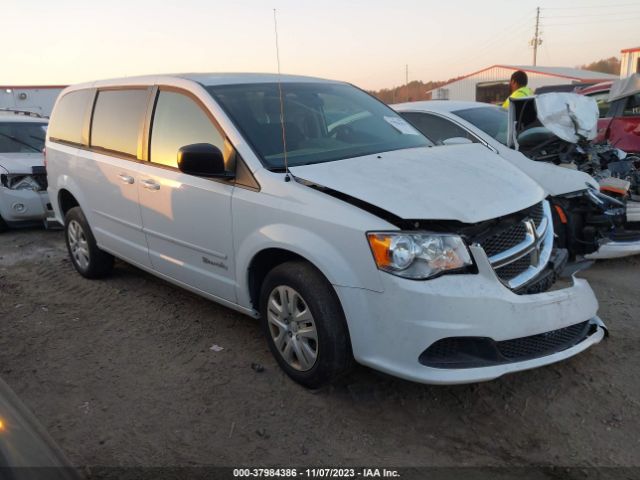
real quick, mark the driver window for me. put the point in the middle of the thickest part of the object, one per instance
(435, 128)
(178, 121)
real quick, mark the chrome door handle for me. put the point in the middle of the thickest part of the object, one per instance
(126, 178)
(150, 185)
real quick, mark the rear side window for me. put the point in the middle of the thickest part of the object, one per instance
(67, 121)
(435, 128)
(117, 120)
(179, 121)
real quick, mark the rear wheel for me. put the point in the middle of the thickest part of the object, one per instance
(304, 324)
(87, 258)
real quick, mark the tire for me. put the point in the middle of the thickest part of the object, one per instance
(3, 225)
(87, 258)
(321, 330)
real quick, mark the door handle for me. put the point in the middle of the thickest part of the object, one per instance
(150, 185)
(126, 178)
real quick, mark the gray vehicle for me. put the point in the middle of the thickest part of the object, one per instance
(23, 178)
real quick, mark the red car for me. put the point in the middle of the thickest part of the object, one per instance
(619, 121)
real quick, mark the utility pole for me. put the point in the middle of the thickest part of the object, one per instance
(406, 79)
(536, 41)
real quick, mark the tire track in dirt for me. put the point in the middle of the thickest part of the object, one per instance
(121, 372)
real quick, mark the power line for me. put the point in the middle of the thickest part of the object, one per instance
(599, 15)
(593, 6)
(598, 22)
(515, 29)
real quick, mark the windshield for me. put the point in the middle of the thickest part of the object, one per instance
(323, 122)
(491, 120)
(22, 137)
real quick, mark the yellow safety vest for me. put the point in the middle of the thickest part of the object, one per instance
(519, 93)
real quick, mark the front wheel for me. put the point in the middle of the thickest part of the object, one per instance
(304, 324)
(3, 225)
(87, 258)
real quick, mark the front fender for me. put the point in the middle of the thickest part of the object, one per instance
(340, 268)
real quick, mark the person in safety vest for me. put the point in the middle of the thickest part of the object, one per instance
(518, 86)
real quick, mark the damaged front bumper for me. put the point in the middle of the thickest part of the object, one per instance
(393, 331)
(598, 226)
(24, 207)
(611, 249)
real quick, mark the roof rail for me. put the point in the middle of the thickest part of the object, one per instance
(23, 112)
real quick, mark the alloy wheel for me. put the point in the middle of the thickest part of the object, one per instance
(78, 244)
(292, 328)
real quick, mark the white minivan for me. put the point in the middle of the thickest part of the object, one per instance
(311, 205)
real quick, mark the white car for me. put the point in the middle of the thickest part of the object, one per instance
(23, 180)
(322, 212)
(588, 222)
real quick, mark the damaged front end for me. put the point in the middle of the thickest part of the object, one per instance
(559, 128)
(597, 226)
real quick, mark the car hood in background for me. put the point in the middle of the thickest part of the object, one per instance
(624, 87)
(467, 183)
(21, 162)
(554, 179)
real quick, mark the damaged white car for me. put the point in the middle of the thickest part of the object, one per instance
(341, 228)
(594, 218)
(23, 179)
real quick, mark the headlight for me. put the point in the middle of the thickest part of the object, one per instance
(418, 255)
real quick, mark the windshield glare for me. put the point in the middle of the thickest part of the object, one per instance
(22, 137)
(491, 120)
(323, 122)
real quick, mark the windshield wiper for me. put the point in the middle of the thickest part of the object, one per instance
(10, 137)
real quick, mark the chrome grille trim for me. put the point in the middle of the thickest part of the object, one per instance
(523, 248)
(538, 244)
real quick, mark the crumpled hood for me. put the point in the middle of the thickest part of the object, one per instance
(624, 87)
(554, 179)
(568, 116)
(467, 183)
(20, 162)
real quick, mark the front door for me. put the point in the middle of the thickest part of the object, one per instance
(187, 219)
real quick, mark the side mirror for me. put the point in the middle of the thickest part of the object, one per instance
(202, 160)
(456, 141)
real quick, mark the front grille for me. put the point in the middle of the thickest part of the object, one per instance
(473, 352)
(537, 214)
(512, 270)
(504, 240)
(544, 343)
(524, 242)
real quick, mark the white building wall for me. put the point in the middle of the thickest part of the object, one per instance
(629, 64)
(465, 89)
(38, 100)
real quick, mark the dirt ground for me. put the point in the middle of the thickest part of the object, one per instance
(121, 373)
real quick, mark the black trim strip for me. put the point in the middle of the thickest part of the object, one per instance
(356, 202)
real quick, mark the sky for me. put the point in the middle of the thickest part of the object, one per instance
(367, 43)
